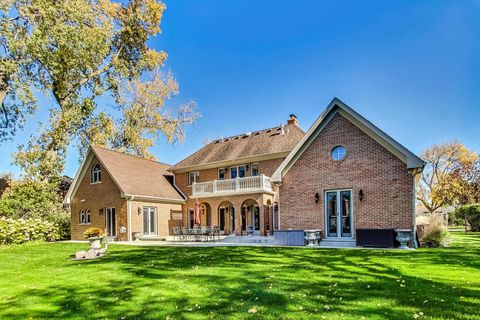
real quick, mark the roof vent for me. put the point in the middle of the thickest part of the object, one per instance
(282, 127)
(248, 134)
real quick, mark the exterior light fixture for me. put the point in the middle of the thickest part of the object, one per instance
(317, 197)
(360, 194)
(100, 211)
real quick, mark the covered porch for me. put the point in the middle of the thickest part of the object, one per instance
(240, 215)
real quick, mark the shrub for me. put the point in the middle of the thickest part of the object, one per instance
(471, 213)
(93, 232)
(435, 233)
(17, 231)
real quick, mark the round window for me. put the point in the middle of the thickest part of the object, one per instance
(338, 153)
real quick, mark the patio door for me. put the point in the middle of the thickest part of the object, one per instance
(149, 221)
(111, 222)
(222, 219)
(338, 214)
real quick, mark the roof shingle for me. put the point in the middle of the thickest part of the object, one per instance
(263, 142)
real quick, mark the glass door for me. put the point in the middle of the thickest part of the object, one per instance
(149, 221)
(331, 204)
(338, 213)
(111, 221)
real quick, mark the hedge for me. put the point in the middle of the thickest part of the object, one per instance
(17, 231)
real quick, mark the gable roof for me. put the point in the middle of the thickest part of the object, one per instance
(263, 144)
(337, 106)
(134, 176)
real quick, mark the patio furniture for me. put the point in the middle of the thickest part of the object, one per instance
(177, 233)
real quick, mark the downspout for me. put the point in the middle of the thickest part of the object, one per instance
(414, 213)
(129, 213)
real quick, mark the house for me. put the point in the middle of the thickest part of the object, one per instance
(230, 178)
(342, 175)
(123, 195)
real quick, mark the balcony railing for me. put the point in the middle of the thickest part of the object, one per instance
(232, 186)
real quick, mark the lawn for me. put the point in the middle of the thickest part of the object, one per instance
(39, 281)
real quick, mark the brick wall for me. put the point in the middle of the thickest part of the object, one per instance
(384, 179)
(95, 197)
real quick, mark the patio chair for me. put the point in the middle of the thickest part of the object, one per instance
(177, 233)
(185, 236)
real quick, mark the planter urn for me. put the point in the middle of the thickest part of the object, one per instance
(312, 237)
(95, 243)
(403, 236)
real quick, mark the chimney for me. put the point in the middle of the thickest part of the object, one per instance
(293, 120)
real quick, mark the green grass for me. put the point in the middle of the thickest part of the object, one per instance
(39, 281)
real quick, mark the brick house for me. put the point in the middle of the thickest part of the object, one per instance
(123, 194)
(343, 174)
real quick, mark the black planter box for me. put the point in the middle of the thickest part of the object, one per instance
(289, 237)
(378, 238)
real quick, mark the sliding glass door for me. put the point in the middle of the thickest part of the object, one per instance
(149, 221)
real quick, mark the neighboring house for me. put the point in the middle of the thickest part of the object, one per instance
(230, 178)
(424, 216)
(343, 174)
(347, 174)
(123, 194)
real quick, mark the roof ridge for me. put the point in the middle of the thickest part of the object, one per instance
(130, 155)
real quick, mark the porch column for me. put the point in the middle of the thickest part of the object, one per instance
(238, 219)
(262, 220)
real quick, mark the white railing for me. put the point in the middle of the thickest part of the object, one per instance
(231, 186)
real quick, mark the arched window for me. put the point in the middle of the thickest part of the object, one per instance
(87, 216)
(96, 173)
(81, 217)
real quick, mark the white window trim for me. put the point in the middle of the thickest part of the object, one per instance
(89, 215)
(238, 170)
(251, 168)
(197, 175)
(93, 172)
(224, 175)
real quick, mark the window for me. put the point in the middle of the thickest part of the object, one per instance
(254, 170)
(338, 153)
(192, 177)
(149, 221)
(87, 216)
(96, 174)
(238, 172)
(222, 173)
(81, 217)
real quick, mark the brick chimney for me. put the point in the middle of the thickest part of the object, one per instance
(293, 120)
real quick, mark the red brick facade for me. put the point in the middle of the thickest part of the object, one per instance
(385, 180)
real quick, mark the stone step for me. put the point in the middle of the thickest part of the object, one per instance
(153, 239)
(340, 243)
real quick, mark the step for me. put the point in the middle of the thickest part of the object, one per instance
(153, 239)
(338, 243)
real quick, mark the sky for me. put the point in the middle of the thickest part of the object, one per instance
(410, 67)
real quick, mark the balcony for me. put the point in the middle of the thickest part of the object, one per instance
(217, 188)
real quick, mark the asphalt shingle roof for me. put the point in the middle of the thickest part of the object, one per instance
(267, 141)
(138, 176)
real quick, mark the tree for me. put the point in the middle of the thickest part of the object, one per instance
(73, 51)
(441, 183)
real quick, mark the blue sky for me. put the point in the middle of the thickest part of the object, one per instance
(410, 67)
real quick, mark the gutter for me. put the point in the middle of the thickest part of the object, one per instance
(414, 213)
(129, 216)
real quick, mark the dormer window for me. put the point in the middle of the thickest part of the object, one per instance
(96, 173)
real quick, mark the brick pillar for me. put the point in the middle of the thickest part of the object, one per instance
(262, 221)
(238, 219)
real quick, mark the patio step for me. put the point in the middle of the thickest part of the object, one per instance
(249, 239)
(338, 243)
(153, 239)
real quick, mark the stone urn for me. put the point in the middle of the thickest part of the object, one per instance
(96, 242)
(312, 237)
(136, 236)
(249, 230)
(403, 236)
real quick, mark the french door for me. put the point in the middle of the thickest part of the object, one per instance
(111, 222)
(149, 221)
(338, 214)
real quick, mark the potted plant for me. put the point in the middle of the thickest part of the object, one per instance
(95, 236)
